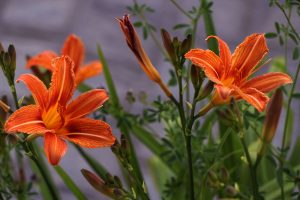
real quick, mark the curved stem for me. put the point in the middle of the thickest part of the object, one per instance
(252, 171)
(181, 9)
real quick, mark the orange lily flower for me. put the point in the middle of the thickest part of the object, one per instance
(231, 72)
(74, 48)
(57, 119)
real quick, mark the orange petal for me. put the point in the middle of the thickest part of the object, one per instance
(74, 48)
(42, 59)
(208, 61)
(223, 91)
(248, 54)
(89, 133)
(91, 69)
(86, 103)
(224, 51)
(63, 81)
(55, 148)
(256, 98)
(27, 119)
(37, 89)
(268, 82)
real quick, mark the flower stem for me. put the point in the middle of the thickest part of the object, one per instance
(252, 171)
(181, 9)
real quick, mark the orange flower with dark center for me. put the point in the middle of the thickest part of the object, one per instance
(57, 119)
(74, 48)
(231, 72)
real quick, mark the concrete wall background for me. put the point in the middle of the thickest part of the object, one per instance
(33, 26)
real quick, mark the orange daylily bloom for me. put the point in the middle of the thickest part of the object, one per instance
(57, 119)
(74, 48)
(231, 72)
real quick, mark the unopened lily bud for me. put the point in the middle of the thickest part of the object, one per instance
(272, 116)
(195, 75)
(97, 183)
(224, 175)
(8, 63)
(212, 176)
(208, 88)
(13, 56)
(134, 43)
(166, 38)
(186, 44)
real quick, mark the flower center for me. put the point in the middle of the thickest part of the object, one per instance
(52, 118)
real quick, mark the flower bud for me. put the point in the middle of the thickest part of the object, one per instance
(97, 183)
(272, 116)
(208, 88)
(195, 75)
(166, 38)
(224, 175)
(8, 63)
(13, 56)
(186, 44)
(134, 43)
(271, 120)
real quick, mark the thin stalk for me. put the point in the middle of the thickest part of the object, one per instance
(252, 171)
(283, 143)
(41, 165)
(152, 35)
(181, 9)
(288, 20)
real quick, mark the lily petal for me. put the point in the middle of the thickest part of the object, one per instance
(268, 82)
(225, 53)
(248, 54)
(256, 98)
(86, 103)
(42, 59)
(55, 148)
(208, 61)
(74, 48)
(91, 69)
(89, 133)
(26, 120)
(37, 89)
(63, 81)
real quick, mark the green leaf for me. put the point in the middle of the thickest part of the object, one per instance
(296, 95)
(179, 26)
(70, 183)
(148, 139)
(209, 28)
(277, 26)
(271, 35)
(113, 95)
(94, 164)
(138, 24)
(295, 53)
(278, 65)
(293, 37)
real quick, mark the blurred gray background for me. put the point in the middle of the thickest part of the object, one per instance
(37, 25)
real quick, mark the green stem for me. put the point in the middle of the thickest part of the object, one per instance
(70, 183)
(288, 20)
(252, 171)
(96, 166)
(181, 9)
(153, 36)
(41, 167)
